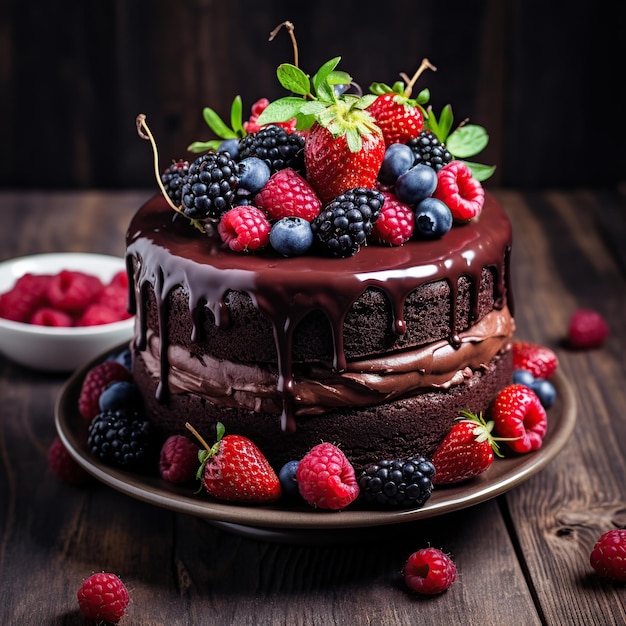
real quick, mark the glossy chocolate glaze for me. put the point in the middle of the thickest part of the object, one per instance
(168, 252)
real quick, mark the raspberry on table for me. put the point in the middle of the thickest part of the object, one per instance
(587, 329)
(326, 478)
(608, 556)
(103, 597)
(63, 465)
(96, 381)
(429, 571)
(178, 461)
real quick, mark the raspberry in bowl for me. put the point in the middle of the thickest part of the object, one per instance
(59, 310)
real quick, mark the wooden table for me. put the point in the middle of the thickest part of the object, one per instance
(523, 558)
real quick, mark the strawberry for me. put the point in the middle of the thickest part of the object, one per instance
(333, 165)
(540, 361)
(235, 470)
(467, 450)
(398, 120)
(519, 417)
(287, 194)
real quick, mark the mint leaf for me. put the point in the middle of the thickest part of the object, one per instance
(467, 140)
(312, 107)
(479, 171)
(236, 117)
(324, 72)
(339, 78)
(380, 88)
(281, 110)
(293, 79)
(446, 118)
(204, 146)
(215, 123)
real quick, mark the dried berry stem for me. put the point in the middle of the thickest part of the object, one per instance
(425, 65)
(290, 29)
(198, 436)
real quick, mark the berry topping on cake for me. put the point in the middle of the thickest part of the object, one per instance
(291, 236)
(235, 470)
(173, 178)
(121, 438)
(608, 556)
(587, 329)
(287, 194)
(416, 184)
(433, 219)
(428, 150)
(98, 378)
(539, 360)
(209, 187)
(398, 484)
(103, 597)
(429, 571)
(519, 418)
(395, 223)
(460, 191)
(326, 478)
(244, 229)
(467, 450)
(344, 224)
(398, 160)
(253, 176)
(275, 146)
(178, 460)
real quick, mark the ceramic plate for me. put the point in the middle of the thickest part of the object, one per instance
(269, 522)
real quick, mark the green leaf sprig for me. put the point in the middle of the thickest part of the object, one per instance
(221, 128)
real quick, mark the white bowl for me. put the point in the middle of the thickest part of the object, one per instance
(59, 349)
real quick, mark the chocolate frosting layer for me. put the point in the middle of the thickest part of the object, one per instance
(165, 251)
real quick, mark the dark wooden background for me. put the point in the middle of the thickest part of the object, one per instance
(545, 78)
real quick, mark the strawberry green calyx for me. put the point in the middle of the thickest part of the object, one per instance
(404, 88)
(482, 430)
(207, 452)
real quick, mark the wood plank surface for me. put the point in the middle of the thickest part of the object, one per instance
(522, 558)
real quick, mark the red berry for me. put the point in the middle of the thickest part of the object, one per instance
(235, 470)
(397, 119)
(178, 461)
(46, 316)
(395, 223)
(326, 478)
(96, 381)
(540, 361)
(287, 194)
(460, 191)
(28, 294)
(72, 291)
(251, 126)
(608, 556)
(587, 329)
(97, 314)
(244, 228)
(429, 571)
(519, 416)
(103, 598)
(63, 465)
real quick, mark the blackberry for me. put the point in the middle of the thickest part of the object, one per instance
(209, 187)
(173, 178)
(398, 484)
(429, 150)
(276, 146)
(345, 223)
(121, 438)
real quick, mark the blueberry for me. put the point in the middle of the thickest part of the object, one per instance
(119, 395)
(545, 392)
(433, 218)
(523, 377)
(231, 146)
(287, 478)
(398, 160)
(416, 184)
(291, 236)
(124, 358)
(253, 174)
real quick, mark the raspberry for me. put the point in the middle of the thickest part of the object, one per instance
(326, 478)
(587, 329)
(178, 462)
(244, 228)
(395, 223)
(429, 571)
(28, 294)
(460, 191)
(47, 316)
(72, 291)
(608, 556)
(287, 194)
(63, 465)
(96, 381)
(103, 597)
(97, 314)
(539, 360)
(251, 126)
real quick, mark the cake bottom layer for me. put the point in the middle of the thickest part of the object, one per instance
(393, 430)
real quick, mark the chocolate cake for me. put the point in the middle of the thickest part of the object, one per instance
(377, 353)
